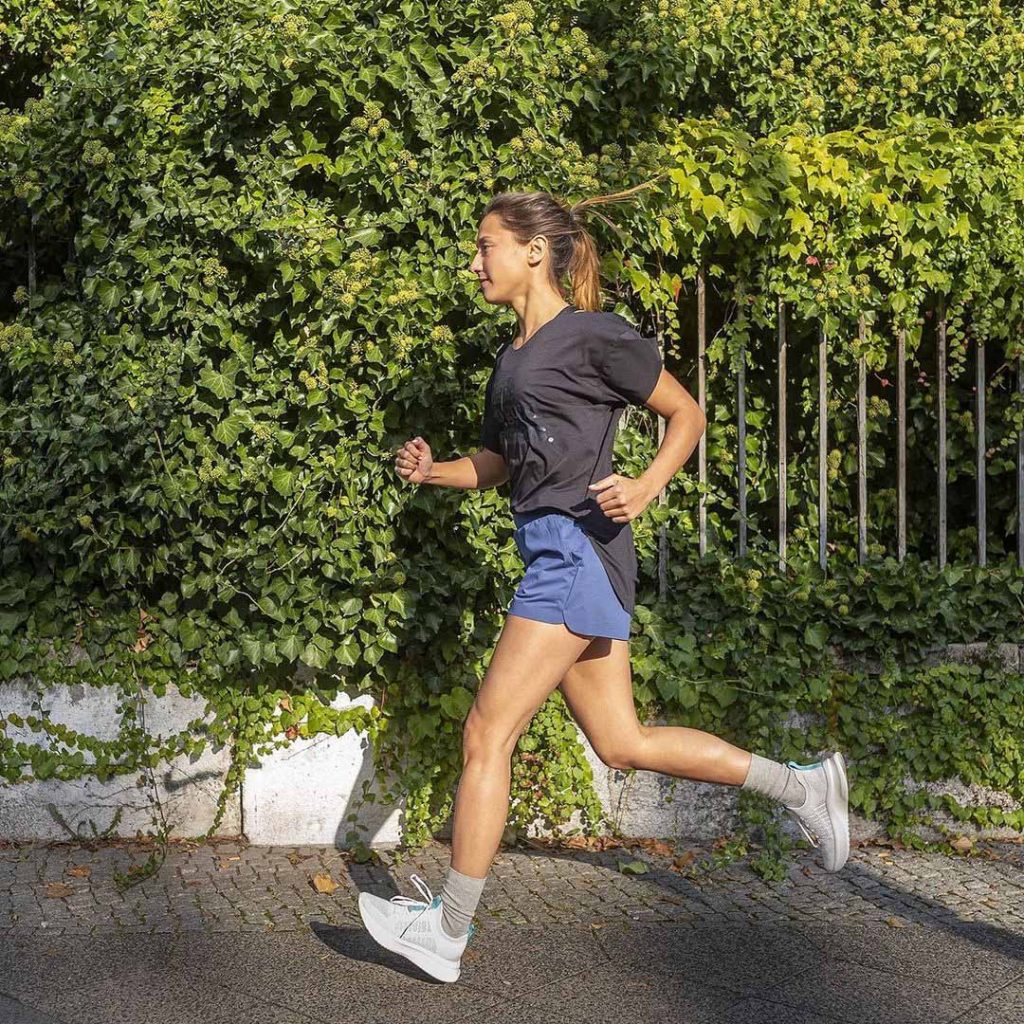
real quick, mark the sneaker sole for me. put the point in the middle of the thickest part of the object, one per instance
(435, 966)
(837, 796)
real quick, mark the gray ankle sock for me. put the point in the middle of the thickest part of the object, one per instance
(776, 781)
(459, 897)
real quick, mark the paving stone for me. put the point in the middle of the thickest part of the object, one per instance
(855, 993)
(812, 947)
(14, 1012)
(1005, 1006)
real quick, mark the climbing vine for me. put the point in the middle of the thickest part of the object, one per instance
(252, 227)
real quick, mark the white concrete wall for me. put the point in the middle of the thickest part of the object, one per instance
(301, 793)
(187, 785)
(304, 792)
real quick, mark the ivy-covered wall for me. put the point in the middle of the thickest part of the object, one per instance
(251, 227)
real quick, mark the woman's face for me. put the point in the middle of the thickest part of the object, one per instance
(504, 267)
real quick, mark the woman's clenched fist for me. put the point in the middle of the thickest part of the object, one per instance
(413, 461)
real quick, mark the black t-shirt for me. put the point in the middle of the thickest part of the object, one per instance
(551, 410)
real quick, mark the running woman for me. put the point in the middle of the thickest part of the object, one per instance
(552, 403)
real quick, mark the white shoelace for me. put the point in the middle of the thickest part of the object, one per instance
(812, 838)
(815, 822)
(414, 904)
(409, 900)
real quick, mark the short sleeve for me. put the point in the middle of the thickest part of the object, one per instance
(629, 365)
(489, 434)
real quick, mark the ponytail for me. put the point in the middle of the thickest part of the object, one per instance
(573, 250)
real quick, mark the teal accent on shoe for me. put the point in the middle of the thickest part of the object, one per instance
(472, 928)
(804, 767)
(436, 901)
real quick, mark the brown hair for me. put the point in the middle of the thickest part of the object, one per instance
(573, 252)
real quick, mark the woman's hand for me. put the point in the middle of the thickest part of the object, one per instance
(621, 498)
(413, 461)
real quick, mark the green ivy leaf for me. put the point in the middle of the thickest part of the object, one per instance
(221, 384)
(317, 653)
(283, 480)
(632, 867)
(228, 430)
(290, 646)
(302, 95)
(816, 635)
(188, 634)
(456, 703)
(252, 648)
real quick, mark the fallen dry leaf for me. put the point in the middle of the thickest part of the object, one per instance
(963, 844)
(80, 871)
(225, 862)
(657, 847)
(323, 882)
(807, 871)
(54, 890)
(144, 639)
(895, 922)
(685, 860)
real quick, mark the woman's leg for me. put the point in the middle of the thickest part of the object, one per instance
(528, 662)
(599, 691)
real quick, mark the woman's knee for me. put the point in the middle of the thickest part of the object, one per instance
(484, 738)
(623, 753)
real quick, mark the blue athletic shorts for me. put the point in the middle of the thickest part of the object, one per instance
(565, 579)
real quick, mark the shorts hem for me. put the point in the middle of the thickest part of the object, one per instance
(562, 620)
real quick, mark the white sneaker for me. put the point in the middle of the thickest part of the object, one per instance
(823, 817)
(412, 928)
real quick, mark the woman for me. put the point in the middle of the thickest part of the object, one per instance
(552, 403)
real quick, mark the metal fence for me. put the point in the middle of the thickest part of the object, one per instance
(901, 445)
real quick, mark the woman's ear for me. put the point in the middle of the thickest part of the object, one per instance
(537, 249)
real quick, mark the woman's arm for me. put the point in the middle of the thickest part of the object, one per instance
(482, 469)
(623, 498)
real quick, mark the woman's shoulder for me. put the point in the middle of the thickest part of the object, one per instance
(605, 317)
(603, 324)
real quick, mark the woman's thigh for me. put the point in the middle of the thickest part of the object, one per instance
(529, 661)
(599, 691)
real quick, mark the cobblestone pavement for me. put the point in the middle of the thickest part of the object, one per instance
(563, 933)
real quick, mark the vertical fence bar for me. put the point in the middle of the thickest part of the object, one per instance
(662, 494)
(862, 449)
(822, 450)
(32, 252)
(979, 385)
(702, 449)
(901, 445)
(781, 440)
(940, 375)
(1020, 471)
(741, 458)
